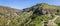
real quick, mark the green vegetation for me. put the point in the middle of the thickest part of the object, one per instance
(57, 21)
(33, 16)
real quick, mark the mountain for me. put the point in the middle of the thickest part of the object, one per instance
(37, 15)
(42, 12)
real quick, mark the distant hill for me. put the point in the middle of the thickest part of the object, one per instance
(7, 13)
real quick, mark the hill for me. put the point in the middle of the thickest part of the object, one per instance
(7, 14)
(32, 16)
(41, 12)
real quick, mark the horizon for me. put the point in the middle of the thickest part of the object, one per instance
(21, 4)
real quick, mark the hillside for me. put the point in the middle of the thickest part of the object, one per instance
(7, 14)
(42, 12)
(37, 15)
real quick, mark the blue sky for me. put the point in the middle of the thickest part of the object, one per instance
(20, 4)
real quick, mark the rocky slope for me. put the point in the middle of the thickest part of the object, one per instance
(7, 14)
(32, 16)
(41, 12)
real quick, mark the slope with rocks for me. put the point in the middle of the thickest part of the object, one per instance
(41, 12)
(7, 15)
(32, 16)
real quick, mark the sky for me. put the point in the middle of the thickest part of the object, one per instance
(21, 4)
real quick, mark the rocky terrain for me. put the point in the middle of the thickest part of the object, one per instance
(38, 15)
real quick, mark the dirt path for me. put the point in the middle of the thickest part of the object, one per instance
(52, 21)
(55, 18)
